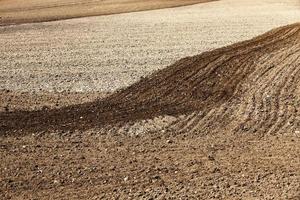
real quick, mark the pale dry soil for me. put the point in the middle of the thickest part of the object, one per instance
(103, 54)
(19, 11)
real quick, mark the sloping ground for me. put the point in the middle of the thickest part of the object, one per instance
(251, 86)
(79, 57)
(207, 127)
(16, 11)
(101, 54)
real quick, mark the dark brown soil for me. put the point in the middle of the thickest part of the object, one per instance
(13, 101)
(86, 165)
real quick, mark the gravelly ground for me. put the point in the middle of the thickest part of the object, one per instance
(110, 52)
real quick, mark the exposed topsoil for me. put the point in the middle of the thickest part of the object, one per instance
(224, 124)
(19, 11)
(245, 82)
(220, 125)
(70, 61)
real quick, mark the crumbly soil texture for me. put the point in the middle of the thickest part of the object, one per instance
(220, 125)
(69, 61)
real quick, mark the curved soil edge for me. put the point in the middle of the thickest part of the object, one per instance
(15, 12)
(255, 82)
(11, 101)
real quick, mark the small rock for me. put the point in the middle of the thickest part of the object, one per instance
(215, 170)
(126, 178)
(169, 141)
(215, 186)
(211, 157)
(6, 108)
(156, 177)
(82, 158)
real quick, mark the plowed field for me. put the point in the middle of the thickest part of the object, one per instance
(222, 124)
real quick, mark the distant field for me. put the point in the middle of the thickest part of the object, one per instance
(19, 11)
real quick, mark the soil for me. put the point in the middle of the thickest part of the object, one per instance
(87, 165)
(220, 125)
(87, 119)
(252, 80)
(14, 100)
(18, 11)
(80, 56)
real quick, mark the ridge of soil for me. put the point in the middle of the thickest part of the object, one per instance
(225, 78)
(220, 125)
